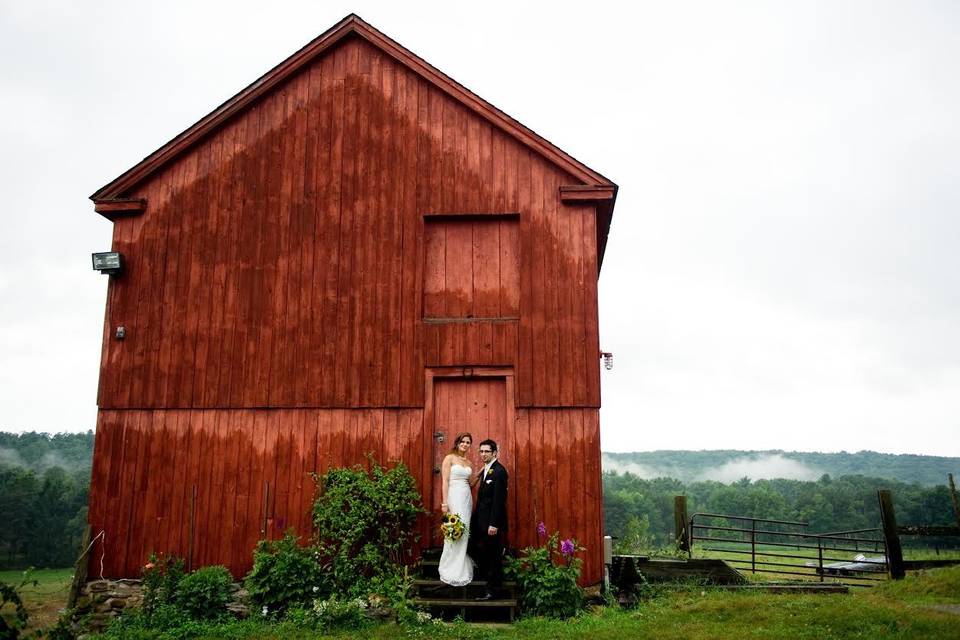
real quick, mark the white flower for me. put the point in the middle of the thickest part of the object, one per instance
(264, 612)
(315, 589)
(423, 616)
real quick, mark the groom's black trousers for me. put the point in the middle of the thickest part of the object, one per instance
(488, 550)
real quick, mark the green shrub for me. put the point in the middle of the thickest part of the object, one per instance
(340, 614)
(204, 594)
(161, 575)
(284, 574)
(10, 627)
(364, 521)
(546, 577)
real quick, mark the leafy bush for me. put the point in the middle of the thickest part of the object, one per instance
(547, 576)
(204, 594)
(133, 626)
(285, 574)
(364, 522)
(340, 614)
(10, 595)
(161, 575)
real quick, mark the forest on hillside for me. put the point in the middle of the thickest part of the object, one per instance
(731, 465)
(45, 482)
(44, 486)
(640, 507)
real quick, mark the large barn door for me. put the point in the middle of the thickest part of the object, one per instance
(479, 406)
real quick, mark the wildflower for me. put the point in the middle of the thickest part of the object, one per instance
(567, 547)
(148, 566)
(541, 529)
(264, 612)
(315, 589)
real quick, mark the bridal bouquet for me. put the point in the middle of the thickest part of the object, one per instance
(452, 526)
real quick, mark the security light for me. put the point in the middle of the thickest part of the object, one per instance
(109, 262)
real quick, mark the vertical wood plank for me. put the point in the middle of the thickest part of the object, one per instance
(334, 83)
(346, 305)
(175, 392)
(219, 220)
(410, 370)
(196, 319)
(590, 311)
(236, 221)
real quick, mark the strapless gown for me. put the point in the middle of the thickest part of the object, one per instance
(456, 567)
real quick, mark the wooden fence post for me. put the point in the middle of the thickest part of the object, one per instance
(891, 535)
(79, 569)
(953, 498)
(680, 523)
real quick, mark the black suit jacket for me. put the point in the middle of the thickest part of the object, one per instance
(491, 508)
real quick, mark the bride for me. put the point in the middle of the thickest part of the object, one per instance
(456, 567)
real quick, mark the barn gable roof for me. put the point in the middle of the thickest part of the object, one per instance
(111, 198)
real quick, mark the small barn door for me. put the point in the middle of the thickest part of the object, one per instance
(478, 405)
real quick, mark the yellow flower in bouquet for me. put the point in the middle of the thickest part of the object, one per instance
(452, 526)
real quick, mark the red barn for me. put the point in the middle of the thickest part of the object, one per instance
(354, 254)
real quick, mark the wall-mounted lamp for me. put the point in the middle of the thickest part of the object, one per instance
(607, 360)
(108, 262)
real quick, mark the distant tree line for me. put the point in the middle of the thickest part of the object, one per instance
(44, 486)
(45, 483)
(644, 508)
(692, 466)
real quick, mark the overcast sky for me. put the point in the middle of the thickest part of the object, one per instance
(782, 270)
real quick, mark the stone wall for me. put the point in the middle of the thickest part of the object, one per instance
(99, 601)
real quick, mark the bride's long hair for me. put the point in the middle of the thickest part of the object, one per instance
(456, 441)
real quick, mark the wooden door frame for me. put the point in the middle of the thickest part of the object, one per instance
(459, 372)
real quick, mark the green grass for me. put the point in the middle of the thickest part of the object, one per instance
(896, 609)
(901, 610)
(45, 599)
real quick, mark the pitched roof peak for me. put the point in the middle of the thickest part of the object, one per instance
(350, 24)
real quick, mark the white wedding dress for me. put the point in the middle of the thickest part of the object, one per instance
(456, 567)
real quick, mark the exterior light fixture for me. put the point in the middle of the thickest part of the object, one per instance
(607, 360)
(108, 262)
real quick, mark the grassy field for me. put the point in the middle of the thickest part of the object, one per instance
(926, 605)
(45, 599)
(773, 555)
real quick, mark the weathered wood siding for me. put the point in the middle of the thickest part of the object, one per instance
(251, 470)
(280, 261)
(285, 295)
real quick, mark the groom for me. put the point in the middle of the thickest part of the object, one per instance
(488, 526)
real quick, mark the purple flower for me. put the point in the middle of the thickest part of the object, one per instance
(541, 529)
(567, 547)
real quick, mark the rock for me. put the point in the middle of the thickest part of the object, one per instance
(98, 586)
(117, 603)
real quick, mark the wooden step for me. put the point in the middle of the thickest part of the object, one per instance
(435, 589)
(451, 603)
(425, 582)
(508, 605)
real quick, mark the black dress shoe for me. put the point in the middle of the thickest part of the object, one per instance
(484, 597)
